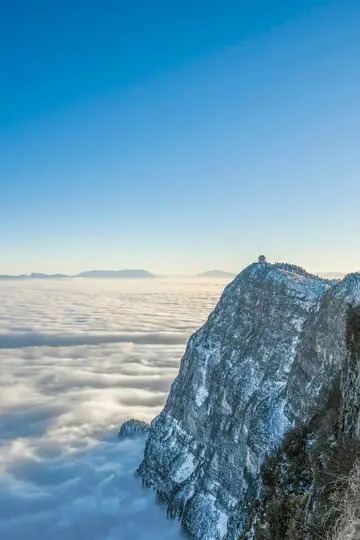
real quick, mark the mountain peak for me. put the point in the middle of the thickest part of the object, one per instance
(287, 275)
(349, 288)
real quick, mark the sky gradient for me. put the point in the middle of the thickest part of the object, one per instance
(179, 136)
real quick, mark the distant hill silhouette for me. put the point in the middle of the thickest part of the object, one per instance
(33, 275)
(37, 275)
(134, 274)
(216, 274)
(96, 274)
(117, 274)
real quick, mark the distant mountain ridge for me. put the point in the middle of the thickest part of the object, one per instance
(126, 273)
(95, 274)
(33, 275)
(131, 273)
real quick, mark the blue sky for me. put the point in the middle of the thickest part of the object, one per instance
(179, 136)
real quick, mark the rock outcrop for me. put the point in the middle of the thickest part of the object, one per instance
(265, 363)
(133, 428)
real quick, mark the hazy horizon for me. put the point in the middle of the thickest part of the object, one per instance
(195, 273)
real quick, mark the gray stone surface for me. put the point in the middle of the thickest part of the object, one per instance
(261, 364)
(133, 428)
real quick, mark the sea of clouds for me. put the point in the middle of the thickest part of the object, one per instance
(77, 358)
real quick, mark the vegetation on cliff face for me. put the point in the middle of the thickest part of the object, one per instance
(347, 501)
(303, 483)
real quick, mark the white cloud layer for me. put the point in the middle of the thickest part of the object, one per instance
(77, 358)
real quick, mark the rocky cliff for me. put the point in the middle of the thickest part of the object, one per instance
(307, 479)
(264, 363)
(133, 428)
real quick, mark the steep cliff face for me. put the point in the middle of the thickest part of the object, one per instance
(264, 361)
(323, 346)
(350, 380)
(306, 480)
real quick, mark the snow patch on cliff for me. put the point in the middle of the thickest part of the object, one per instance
(201, 395)
(202, 392)
(186, 469)
(222, 524)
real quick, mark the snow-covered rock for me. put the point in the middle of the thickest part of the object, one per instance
(133, 428)
(261, 364)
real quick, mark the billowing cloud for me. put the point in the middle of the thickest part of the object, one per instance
(78, 358)
(14, 340)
